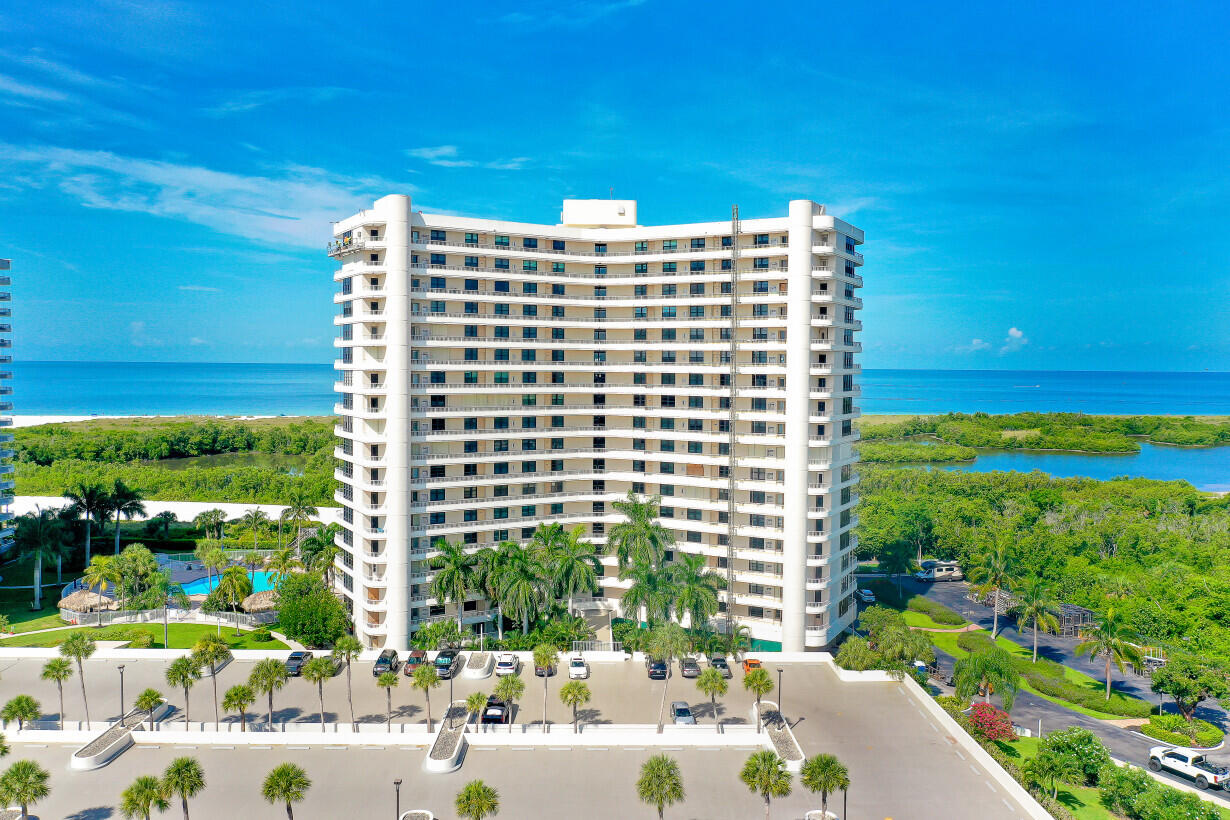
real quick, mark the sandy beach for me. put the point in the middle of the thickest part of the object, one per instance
(35, 421)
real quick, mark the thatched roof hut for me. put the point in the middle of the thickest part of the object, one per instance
(265, 601)
(84, 600)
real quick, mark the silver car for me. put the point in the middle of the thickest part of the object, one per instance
(682, 714)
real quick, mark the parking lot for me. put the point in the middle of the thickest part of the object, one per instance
(902, 765)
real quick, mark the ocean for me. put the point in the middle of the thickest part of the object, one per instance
(144, 388)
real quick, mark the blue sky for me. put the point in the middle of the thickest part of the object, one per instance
(1043, 185)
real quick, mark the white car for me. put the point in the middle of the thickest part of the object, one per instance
(1189, 764)
(866, 596)
(578, 669)
(506, 664)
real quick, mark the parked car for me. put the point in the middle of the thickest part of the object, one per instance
(682, 714)
(414, 660)
(447, 662)
(578, 669)
(496, 712)
(1189, 764)
(544, 671)
(387, 662)
(689, 668)
(866, 596)
(506, 664)
(294, 663)
(719, 663)
(749, 664)
(657, 669)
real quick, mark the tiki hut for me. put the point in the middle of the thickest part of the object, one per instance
(265, 601)
(83, 600)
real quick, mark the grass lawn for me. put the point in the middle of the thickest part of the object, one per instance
(923, 621)
(182, 636)
(948, 643)
(15, 603)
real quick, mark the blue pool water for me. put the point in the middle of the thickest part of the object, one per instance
(202, 586)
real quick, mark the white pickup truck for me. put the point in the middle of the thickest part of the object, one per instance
(1190, 764)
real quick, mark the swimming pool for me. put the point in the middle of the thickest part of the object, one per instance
(261, 581)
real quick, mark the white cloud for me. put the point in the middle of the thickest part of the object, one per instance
(449, 156)
(973, 347)
(10, 86)
(196, 341)
(290, 204)
(1014, 341)
(251, 100)
(200, 288)
(574, 16)
(138, 337)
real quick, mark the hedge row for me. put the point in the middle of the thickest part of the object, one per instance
(1176, 731)
(935, 611)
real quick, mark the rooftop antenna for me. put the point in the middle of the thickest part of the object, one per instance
(612, 189)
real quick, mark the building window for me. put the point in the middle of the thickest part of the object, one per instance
(501, 242)
(438, 236)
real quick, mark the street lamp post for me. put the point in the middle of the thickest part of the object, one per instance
(397, 797)
(781, 701)
(121, 668)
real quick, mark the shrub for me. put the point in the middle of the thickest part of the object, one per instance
(308, 612)
(143, 640)
(262, 635)
(950, 704)
(1081, 746)
(974, 641)
(1176, 731)
(1084, 696)
(857, 655)
(935, 611)
(1132, 793)
(988, 723)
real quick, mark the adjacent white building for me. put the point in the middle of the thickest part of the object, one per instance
(6, 407)
(494, 375)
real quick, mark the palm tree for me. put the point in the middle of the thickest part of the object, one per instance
(1036, 603)
(287, 784)
(125, 503)
(666, 643)
(759, 684)
(317, 671)
(994, 572)
(651, 592)
(345, 650)
(147, 702)
(572, 562)
(184, 778)
(736, 639)
(212, 651)
(641, 538)
(476, 702)
(252, 560)
(477, 800)
(79, 646)
(521, 583)
(184, 672)
(282, 563)
(237, 699)
(824, 774)
(574, 693)
(545, 655)
(426, 679)
(24, 783)
(92, 501)
(660, 784)
(283, 517)
(510, 689)
(1053, 768)
(58, 670)
(233, 587)
(102, 571)
(254, 519)
(986, 671)
(165, 519)
(300, 511)
(388, 682)
(896, 558)
(710, 682)
(268, 676)
(696, 589)
(21, 708)
(210, 522)
(40, 537)
(765, 774)
(455, 576)
(1112, 638)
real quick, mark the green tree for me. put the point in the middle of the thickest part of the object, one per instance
(78, 646)
(509, 689)
(696, 589)
(765, 774)
(824, 774)
(759, 683)
(268, 676)
(144, 795)
(573, 562)
(712, 684)
(308, 612)
(666, 643)
(388, 682)
(184, 778)
(233, 587)
(102, 572)
(125, 502)
(164, 520)
(1113, 639)
(545, 656)
(640, 538)
(897, 558)
(660, 783)
(24, 783)
(299, 511)
(210, 523)
(237, 699)
(58, 670)
(91, 500)
(574, 694)
(986, 671)
(283, 565)
(652, 591)
(1080, 745)
(455, 575)
(317, 671)
(476, 702)
(477, 800)
(255, 519)
(345, 651)
(148, 701)
(1189, 682)
(425, 679)
(287, 784)
(183, 673)
(21, 708)
(993, 572)
(1048, 769)
(40, 537)
(1037, 605)
(211, 651)
(521, 585)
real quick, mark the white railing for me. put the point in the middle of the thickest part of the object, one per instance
(176, 616)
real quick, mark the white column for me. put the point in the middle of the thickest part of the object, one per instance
(798, 340)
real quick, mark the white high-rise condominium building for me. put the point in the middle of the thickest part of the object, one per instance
(7, 483)
(495, 375)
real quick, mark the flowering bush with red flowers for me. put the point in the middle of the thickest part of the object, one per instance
(990, 723)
